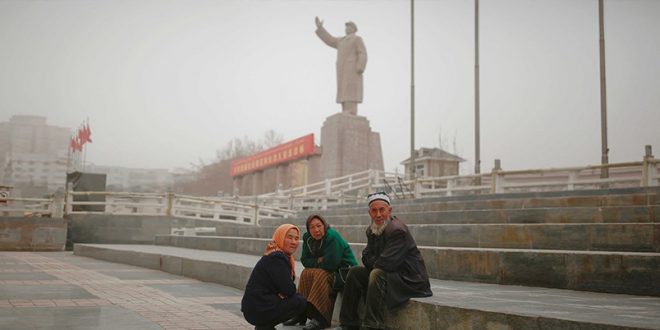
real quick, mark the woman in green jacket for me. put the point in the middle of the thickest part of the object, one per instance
(324, 253)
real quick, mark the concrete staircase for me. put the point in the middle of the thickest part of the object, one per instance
(577, 260)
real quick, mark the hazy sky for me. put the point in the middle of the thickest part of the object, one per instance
(166, 83)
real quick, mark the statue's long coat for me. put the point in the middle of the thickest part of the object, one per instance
(351, 59)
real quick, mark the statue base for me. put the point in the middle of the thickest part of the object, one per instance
(349, 146)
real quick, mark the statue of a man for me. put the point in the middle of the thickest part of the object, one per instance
(351, 62)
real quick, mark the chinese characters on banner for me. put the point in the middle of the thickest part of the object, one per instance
(286, 152)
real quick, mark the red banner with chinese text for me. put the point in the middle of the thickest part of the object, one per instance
(283, 153)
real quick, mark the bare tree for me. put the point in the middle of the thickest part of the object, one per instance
(210, 179)
(243, 147)
(271, 139)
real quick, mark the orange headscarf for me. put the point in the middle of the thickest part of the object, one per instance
(277, 244)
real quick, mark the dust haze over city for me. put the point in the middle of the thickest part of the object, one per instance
(165, 84)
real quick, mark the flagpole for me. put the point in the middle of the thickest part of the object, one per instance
(413, 175)
(477, 126)
(68, 157)
(87, 140)
(604, 173)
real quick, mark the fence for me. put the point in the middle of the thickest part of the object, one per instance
(169, 204)
(344, 190)
(354, 188)
(27, 207)
(149, 204)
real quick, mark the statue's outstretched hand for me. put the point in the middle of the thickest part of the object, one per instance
(319, 23)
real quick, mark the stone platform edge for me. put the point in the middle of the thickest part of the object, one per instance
(419, 313)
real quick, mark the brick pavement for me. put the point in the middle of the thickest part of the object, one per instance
(58, 290)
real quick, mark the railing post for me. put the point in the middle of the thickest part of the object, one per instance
(68, 200)
(648, 168)
(497, 186)
(57, 206)
(572, 177)
(417, 193)
(328, 186)
(373, 180)
(170, 204)
(450, 186)
(256, 214)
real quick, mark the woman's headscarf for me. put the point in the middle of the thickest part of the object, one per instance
(277, 244)
(315, 245)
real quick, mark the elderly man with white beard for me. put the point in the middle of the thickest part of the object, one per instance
(393, 270)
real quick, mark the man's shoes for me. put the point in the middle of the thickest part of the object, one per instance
(313, 324)
(301, 319)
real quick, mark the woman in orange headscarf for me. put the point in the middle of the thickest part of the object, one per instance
(270, 294)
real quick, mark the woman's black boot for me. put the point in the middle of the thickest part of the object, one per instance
(300, 319)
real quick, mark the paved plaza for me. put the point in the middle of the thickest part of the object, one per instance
(58, 290)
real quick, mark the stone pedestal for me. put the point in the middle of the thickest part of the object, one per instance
(349, 146)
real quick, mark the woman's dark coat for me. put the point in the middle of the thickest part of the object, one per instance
(271, 276)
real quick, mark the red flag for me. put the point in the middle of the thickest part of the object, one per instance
(84, 134)
(75, 144)
(88, 133)
(81, 136)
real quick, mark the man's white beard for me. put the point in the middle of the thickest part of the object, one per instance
(378, 229)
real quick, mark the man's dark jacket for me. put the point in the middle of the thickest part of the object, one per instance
(395, 252)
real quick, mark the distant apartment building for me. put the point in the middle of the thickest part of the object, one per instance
(33, 155)
(36, 172)
(133, 179)
(34, 159)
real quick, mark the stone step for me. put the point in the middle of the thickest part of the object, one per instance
(592, 198)
(638, 237)
(608, 214)
(454, 305)
(598, 271)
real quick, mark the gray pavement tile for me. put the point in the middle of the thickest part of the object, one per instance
(15, 266)
(44, 291)
(60, 318)
(229, 307)
(89, 263)
(65, 265)
(23, 276)
(140, 275)
(202, 289)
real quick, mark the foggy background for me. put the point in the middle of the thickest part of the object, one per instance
(166, 84)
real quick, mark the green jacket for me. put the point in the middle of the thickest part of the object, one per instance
(335, 251)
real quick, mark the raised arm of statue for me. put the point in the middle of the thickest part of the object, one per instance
(326, 37)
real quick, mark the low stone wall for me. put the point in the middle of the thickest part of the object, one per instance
(124, 229)
(113, 229)
(32, 234)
